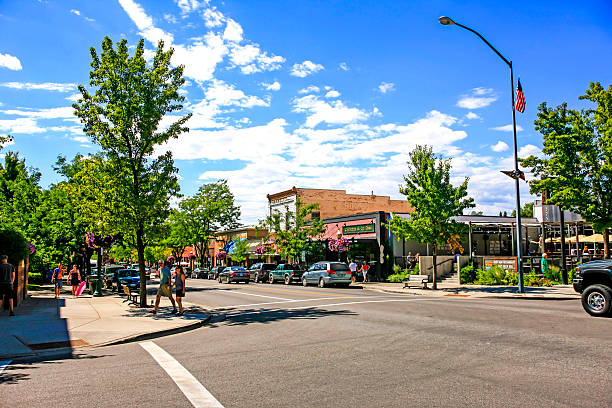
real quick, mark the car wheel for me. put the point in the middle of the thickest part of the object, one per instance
(596, 300)
(321, 283)
(247, 281)
(220, 281)
(287, 280)
(304, 283)
(256, 278)
(227, 279)
(270, 278)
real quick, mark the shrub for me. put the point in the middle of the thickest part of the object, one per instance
(415, 271)
(396, 277)
(396, 269)
(35, 278)
(495, 275)
(468, 274)
(554, 273)
(13, 244)
(511, 278)
(532, 279)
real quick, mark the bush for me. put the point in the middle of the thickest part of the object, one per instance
(532, 279)
(495, 275)
(400, 275)
(396, 277)
(511, 278)
(468, 274)
(554, 273)
(35, 278)
(13, 244)
(415, 271)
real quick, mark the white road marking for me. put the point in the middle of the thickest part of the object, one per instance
(302, 300)
(327, 305)
(3, 365)
(252, 294)
(187, 383)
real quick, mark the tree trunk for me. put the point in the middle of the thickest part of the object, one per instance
(435, 268)
(141, 266)
(606, 240)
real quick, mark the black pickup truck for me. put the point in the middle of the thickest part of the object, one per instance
(594, 281)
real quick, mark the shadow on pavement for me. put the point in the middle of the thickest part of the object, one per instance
(531, 290)
(14, 372)
(248, 316)
(164, 313)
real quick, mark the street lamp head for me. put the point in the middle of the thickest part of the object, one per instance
(446, 20)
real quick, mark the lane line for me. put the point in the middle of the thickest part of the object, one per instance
(302, 300)
(264, 296)
(195, 392)
(303, 292)
(4, 364)
(327, 305)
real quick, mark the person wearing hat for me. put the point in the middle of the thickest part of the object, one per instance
(7, 277)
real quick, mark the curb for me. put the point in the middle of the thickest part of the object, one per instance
(483, 296)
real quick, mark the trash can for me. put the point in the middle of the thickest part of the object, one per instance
(92, 283)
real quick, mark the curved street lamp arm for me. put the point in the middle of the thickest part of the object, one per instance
(486, 42)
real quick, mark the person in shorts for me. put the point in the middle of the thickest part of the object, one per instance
(75, 278)
(165, 287)
(7, 277)
(58, 279)
(364, 269)
(180, 288)
(353, 268)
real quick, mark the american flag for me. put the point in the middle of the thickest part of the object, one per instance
(520, 97)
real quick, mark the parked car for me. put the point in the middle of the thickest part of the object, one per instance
(129, 278)
(234, 274)
(327, 273)
(287, 273)
(200, 273)
(112, 270)
(260, 272)
(594, 281)
(214, 272)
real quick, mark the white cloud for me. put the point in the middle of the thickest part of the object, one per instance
(472, 115)
(20, 125)
(49, 113)
(45, 86)
(500, 146)
(480, 98)
(310, 89)
(507, 128)
(306, 68)
(343, 66)
(188, 6)
(170, 18)
(274, 86)
(74, 97)
(145, 23)
(328, 112)
(213, 18)
(81, 139)
(233, 31)
(332, 94)
(10, 62)
(223, 94)
(74, 11)
(385, 87)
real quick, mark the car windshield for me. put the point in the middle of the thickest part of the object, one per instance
(124, 273)
(338, 266)
(238, 268)
(268, 267)
(293, 267)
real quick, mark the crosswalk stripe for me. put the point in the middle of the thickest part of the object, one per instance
(195, 392)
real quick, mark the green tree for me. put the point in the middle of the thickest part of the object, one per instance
(435, 200)
(526, 211)
(576, 170)
(240, 250)
(176, 233)
(5, 140)
(294, 232)
(123, 116)
(211, 209)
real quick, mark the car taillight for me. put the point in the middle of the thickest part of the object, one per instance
(578, 271)
(348, 272)
(293, 273)
(248, 274)
(331, 272)
(233, 273)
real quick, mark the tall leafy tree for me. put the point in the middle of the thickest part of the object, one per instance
(176, 234)
(295, 232)
(122, 114)
(240, 250)
(435, 200)
(210, 210)
(575, 171)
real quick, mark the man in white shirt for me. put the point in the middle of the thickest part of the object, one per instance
(353, 268)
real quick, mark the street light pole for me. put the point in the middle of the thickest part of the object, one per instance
(521, 287)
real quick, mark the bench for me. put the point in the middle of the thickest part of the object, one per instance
(130, 296)
(416, 280)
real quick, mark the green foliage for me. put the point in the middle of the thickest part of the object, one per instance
(176, 233)
(5, 140)
(495, 275)
(35, 278)
(555, 274)
(241, 246)
(295, 232)
(400, 275)
(531, 279)
(468, 274)
(576, 170)
(13, 244)
(526, 210)
(123, 116)
(211, 209)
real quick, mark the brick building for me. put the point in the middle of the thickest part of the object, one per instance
(334, 203)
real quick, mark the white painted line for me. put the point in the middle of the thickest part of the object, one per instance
(264, 296)
(303, 300)
(3, 365)
(187, 383)
(327, 305)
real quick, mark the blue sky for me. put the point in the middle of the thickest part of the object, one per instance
(323, 94)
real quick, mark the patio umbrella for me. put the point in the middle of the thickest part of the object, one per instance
(593, 238)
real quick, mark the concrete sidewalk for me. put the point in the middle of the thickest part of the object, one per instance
(44, 325)
(557, 292)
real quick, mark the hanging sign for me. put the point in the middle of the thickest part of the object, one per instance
(358, 229)
(507, 263)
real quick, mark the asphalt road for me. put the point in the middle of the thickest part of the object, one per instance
(289, 346)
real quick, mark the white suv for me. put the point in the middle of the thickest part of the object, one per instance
(328, 273)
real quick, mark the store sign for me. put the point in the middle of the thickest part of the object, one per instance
(507, 263)
(358, 229)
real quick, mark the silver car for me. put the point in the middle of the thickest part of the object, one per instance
(328, 273)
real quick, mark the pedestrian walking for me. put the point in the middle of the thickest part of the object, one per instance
(353, 268)
(180, 288)
(7, 277)
(165, 287)
(544, 268)
(75, 278)
(364, 270)
(58, 279)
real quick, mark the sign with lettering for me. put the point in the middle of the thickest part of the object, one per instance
(358, 229)
(507, 263)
